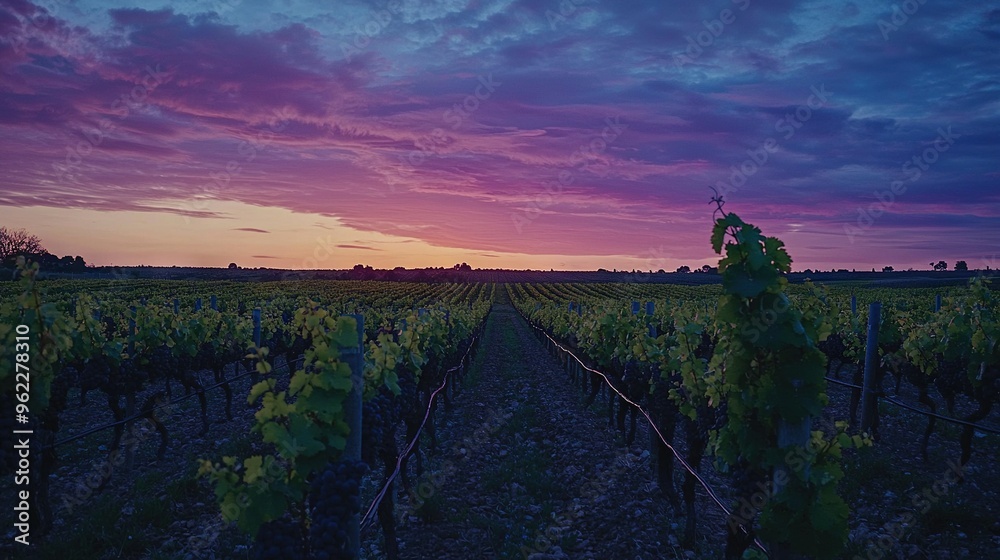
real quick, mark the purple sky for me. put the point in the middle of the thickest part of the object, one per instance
(540, 134)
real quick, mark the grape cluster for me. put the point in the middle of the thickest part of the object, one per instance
(636, 376)
(203, 358)
(431, 374)
(378, 416)
(109, 324)
(333, 498)
(706, 347)
(128, 377)
(952, 379)
(833, 347)
(95, 373)
(58, 396)
(277, 540)
(161, 363)
(720, 416)
(659, 396)
(409, 397)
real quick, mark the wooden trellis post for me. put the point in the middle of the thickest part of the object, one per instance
(869, 404)
(355, 357)
(256, 326)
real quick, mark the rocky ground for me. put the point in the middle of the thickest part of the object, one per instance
(890, 483)
(153, 509)
(526, 469)
(522, 469)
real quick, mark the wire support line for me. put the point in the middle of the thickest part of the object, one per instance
(369, 518)
(978, 427)
(705, 485)
(891, 400)
(845, 384)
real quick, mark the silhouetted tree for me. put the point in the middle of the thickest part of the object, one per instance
(961, 265)
(887, 269)
(941, 265)
(232, 266)
(15, 242)
(684, 269)
(361, 272)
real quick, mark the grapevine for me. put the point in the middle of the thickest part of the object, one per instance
(772, 375)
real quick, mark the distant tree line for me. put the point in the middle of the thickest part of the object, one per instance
(429, 274)
(18, 242)
(938, 266)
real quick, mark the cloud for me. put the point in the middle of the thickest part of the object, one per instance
(250, 229)
(168, 110)
(346, 246)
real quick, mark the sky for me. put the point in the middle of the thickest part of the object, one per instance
(565, 134)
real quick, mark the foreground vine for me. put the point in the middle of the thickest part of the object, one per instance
(773, 386)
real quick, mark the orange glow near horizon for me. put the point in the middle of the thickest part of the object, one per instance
(256, 236)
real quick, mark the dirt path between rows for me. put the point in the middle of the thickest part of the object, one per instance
(523, 468)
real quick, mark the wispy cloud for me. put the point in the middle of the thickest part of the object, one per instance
(348, 123)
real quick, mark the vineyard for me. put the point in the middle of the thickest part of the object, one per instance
(283, 351)
(338, 419)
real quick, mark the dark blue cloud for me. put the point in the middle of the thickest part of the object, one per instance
(697, 85)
